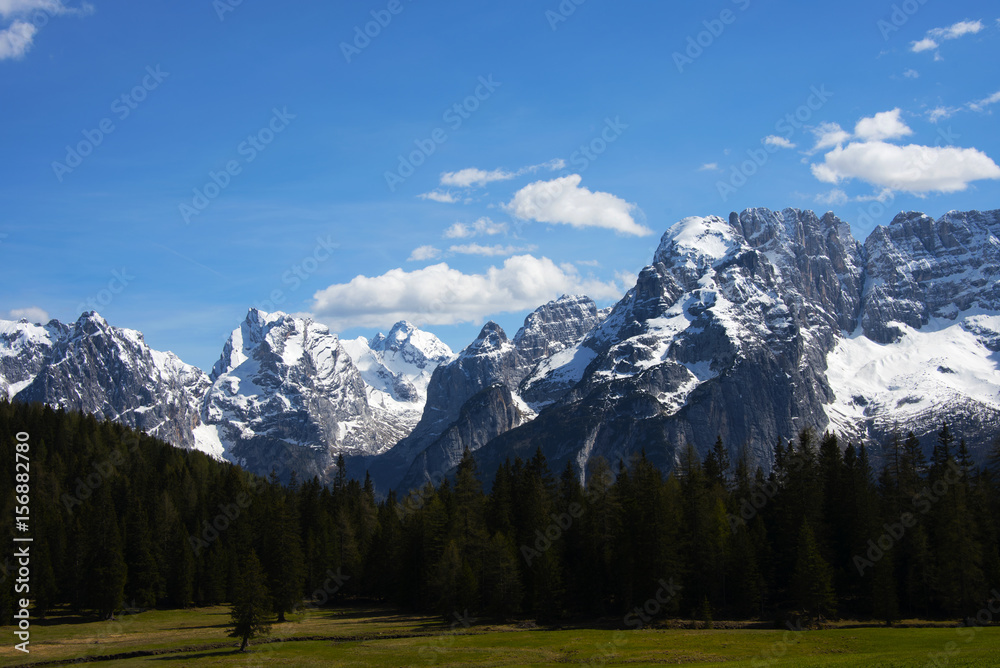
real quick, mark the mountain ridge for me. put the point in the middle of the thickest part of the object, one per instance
(787, 303)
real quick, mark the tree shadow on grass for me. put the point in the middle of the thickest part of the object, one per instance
(185, 658)
(202, 626)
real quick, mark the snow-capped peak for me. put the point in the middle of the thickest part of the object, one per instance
(700, 240)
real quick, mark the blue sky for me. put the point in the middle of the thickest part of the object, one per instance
(173, 164)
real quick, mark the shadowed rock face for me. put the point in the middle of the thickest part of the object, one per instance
(554, 327)
(285, 392)
(729, 330)
(112, 374)
(919, 268)
(743, 327)
(491, 367)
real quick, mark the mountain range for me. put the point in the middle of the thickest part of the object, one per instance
(747, 328)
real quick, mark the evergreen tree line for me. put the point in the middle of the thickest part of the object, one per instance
(121, 519)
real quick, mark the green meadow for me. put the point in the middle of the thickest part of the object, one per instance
(383, 637)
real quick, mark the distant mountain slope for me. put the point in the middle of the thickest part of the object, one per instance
(757, 326)
(750, 327)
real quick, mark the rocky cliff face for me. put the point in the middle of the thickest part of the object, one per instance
(734, 327)
(919, 268)
(455, 416)
(24, 349)
(111, 373)
(285, 394)
(749, 327)
(930, 331)
(396, 369)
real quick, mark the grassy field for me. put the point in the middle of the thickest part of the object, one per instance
(378, 637)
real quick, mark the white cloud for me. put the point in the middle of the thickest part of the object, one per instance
(440, 295)
(437, 196)
(779, 142)
(563, 201)
(980, 105)
(709, 167)
(489, 251)
(482, 226)
(911, 74)
(421, 253)
(9, 8)
(16, 39)
(954, 31)
(937, 113)
(31, 314)
(883, 195)
(835, 196)
(474, 177)
(883, 125)
(957, 30)
(829, 135)
(912, 168)
(470, 176)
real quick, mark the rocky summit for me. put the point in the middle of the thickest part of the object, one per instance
(748, 327)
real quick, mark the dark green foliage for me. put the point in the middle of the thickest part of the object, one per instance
(123, 520)
(251, 605)
(812, 587)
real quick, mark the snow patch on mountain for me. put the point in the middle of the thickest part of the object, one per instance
(397, 369)
(925, 373)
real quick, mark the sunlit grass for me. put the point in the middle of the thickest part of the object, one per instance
(380, 637)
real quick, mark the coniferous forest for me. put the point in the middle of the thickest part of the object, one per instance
(121, 520)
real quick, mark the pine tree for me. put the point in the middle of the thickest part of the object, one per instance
(812, 587)
(144, 583)
(994, 457)
(717, 464)
(884, 599)
(942, 452)
(282, 552)
(104, 557)
(251, 607)
(502, 590)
